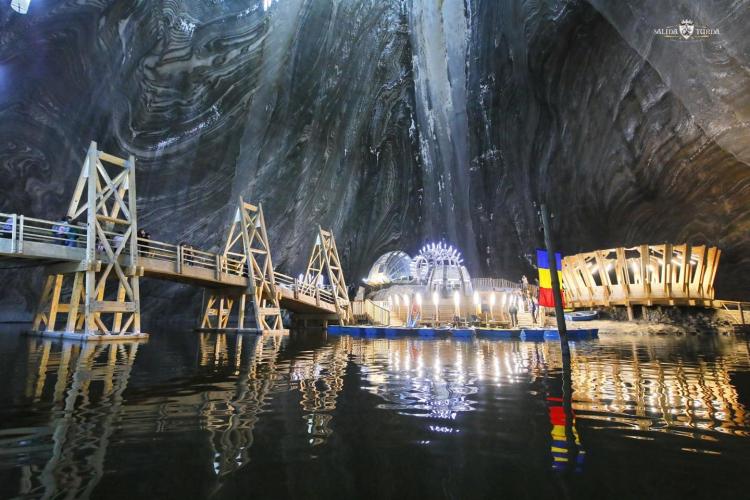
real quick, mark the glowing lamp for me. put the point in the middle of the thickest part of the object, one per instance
(20, 6)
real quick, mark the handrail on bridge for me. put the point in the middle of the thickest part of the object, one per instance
(305, 288)
(21, 229)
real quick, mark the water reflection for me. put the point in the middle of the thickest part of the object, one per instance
(646, 387)
(282, 396)
(230, 410)
(82, 385)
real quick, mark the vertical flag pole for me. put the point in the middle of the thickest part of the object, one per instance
(567, 373)
(559, 314)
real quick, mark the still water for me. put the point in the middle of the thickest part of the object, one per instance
(188, 415)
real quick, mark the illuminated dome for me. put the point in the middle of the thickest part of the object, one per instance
(440, 267)
(389, 268)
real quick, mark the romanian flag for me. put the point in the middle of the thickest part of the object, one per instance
(545, 279)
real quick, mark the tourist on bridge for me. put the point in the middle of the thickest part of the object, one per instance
(7, 228)
(64, 232)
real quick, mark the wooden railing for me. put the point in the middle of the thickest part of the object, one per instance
(374, 313)
(740, 311)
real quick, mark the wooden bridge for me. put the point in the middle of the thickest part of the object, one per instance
(94, 260)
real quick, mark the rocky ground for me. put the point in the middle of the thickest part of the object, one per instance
(663, 321)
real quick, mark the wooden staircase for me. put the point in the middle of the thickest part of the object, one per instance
(525, 320)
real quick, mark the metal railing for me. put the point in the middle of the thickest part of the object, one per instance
(20, 229)
(493, 284)
(323, 292)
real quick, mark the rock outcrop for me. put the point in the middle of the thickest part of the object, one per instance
(394, 122)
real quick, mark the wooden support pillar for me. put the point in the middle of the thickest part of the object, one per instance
(54, 303)
(241, 312)
(118, 316)
(75, 301)
(630, 312)
(41, 309)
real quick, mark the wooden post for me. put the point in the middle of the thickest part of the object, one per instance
(118, 315)
(134, 279)
(41, 310)
(90, 285)
(645, 275)
(241, 313)
(55, 303)
(75, 300)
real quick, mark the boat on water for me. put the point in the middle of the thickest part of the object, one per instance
(581, 315)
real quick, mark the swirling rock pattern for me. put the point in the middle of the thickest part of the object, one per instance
(392, 121)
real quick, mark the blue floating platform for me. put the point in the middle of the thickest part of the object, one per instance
(499, 333)
(342, 330)
(554, 334)
(574, 334)
(371, 331)
(462, 332)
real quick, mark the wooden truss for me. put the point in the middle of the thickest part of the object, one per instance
(248, 241)
(324, 261)
(104, 299)
(646, 275)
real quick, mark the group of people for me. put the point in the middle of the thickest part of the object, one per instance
(523, 299)
(65, 232)
(68, 234)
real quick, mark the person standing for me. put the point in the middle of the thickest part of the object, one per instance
(513, 312)
(7, 228)
(63, 232)
(534, 310)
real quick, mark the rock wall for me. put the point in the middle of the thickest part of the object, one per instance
(394, 122)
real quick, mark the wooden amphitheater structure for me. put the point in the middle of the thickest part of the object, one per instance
(645, 275)
(94, 261)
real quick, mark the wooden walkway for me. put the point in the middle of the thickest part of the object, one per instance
(98, 255)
